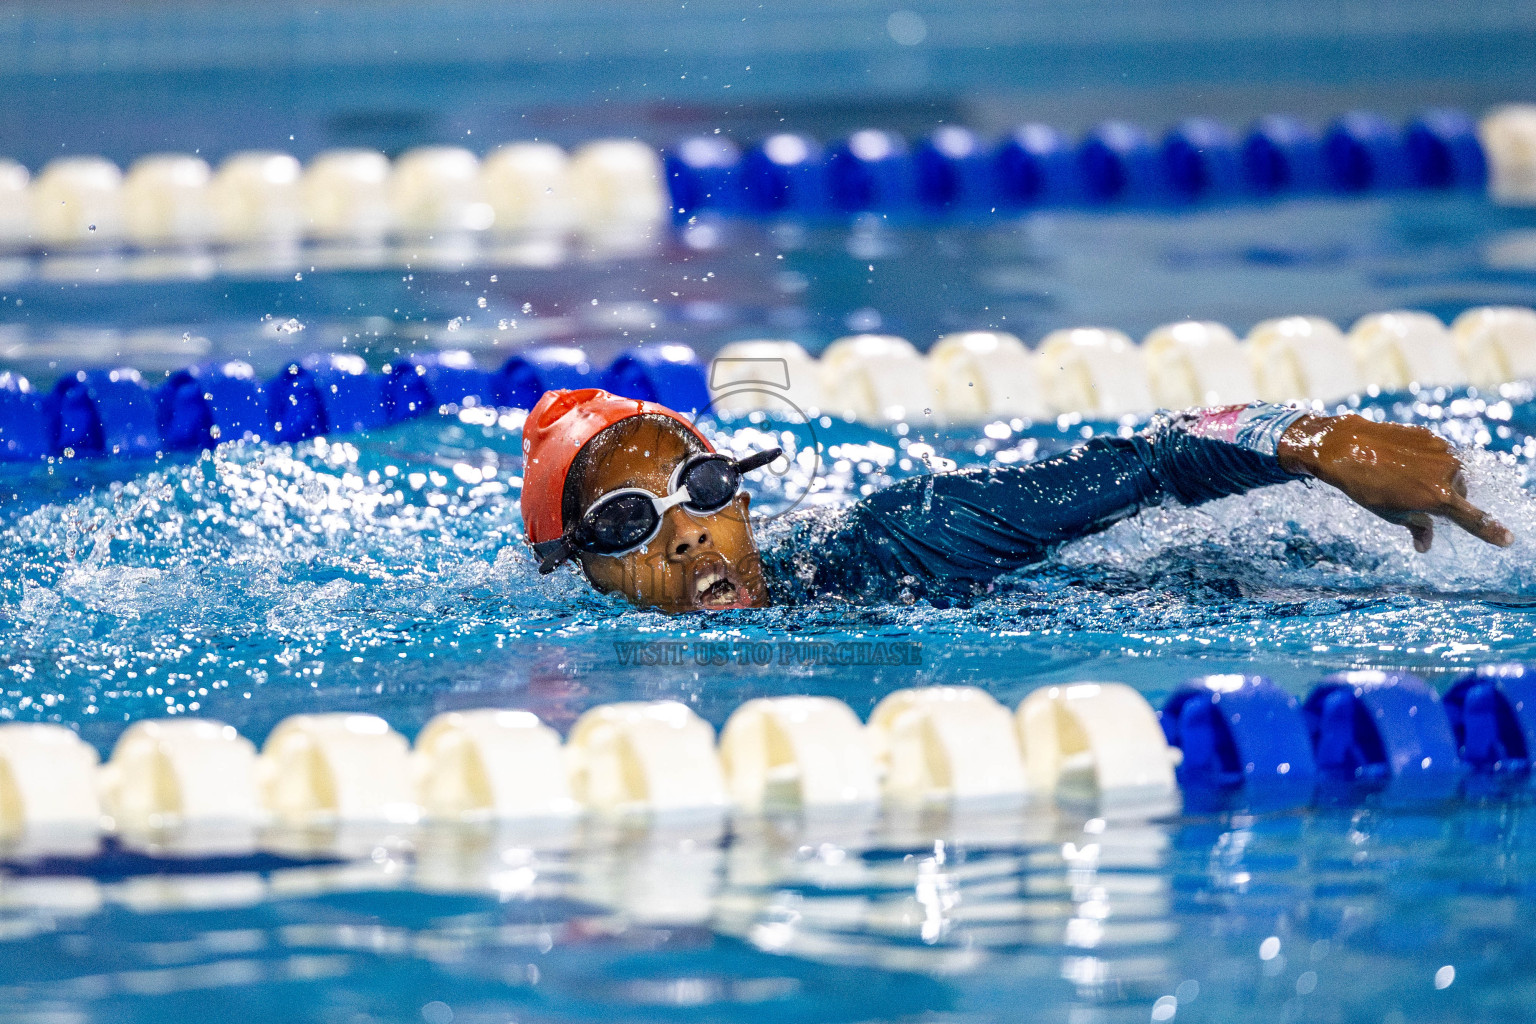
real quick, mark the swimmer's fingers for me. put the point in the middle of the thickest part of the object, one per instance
(1475, 521)
(1420, 527)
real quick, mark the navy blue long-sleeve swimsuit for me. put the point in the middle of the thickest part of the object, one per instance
(946, 536)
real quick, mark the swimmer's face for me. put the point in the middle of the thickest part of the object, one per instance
(697, 562)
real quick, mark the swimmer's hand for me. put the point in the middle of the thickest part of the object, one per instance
(1403, 474)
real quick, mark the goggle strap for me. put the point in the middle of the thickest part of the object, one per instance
(757, 460)
(552, 553)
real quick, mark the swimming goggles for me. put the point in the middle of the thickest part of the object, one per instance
(629, 518)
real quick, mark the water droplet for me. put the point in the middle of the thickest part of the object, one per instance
(290, 326)
(298, 277)
(527, 307)
(480, 302)
(90, 227)
(455, 323)
(493, 279)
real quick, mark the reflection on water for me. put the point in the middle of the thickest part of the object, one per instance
(1356, 915)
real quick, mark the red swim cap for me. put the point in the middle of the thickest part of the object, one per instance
(554, 432)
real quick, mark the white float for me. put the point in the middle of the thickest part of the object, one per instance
(1098, 743)
(1295, 358)
(644, 756)
(77, 199)
(771, 376)
(527, 188)
(326, 768)
(1197, 363)
(1093, 371)
(165, 199)
(1403, 347)
(796, 752)
(1497, 344)
(985, 375)
(178, 770)
(255, 197)
(946, 743)
(345, 193)
(436, 189)
(47, 778)
(15, 219)
(876, 378)
(617, 182)
(1508, 135)
(491, 764)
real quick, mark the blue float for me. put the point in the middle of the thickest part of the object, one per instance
(1035, 166)
(202, 406)
(668, 374)
(101, 412)
(1201, 162)
(702, 174)
(1117, 163)
(1444, 151)
(870, 170)
(1240, 735)
(1363, 152)
(332, 393)
(23, 431)
(1282, 154)
(527, 375)
(1382, 732)
(1493, 717)
(784, 174)
(419, 383)
(954, 171)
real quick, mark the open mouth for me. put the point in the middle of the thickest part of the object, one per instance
(714, 587)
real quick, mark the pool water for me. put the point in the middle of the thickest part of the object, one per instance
(386, 573)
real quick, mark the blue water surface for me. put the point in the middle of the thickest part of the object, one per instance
(386, 573)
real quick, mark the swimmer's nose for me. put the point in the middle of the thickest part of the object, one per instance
(685, 536)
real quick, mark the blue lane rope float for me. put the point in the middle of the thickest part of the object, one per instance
(1201, 161)
(1382, 732)
(1492, 712)
(325, 394)
(1035, 166)
(103, 413)
(953, 171)
(24, 435)
(200, 406)
(871, 171)
(1240, 736)
(1444, 151)
(527, 375)
(784, 175)
(1283, 155)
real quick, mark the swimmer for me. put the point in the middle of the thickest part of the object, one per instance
(640, 500)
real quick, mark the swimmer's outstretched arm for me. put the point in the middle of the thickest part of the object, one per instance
(957, 531)
(1403, 474)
